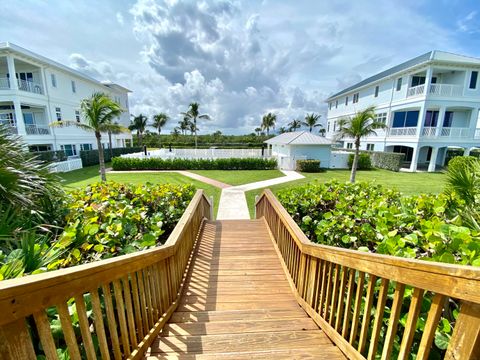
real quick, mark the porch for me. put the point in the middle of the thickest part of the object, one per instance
(16, 74)
(33, 118)
(437, 82)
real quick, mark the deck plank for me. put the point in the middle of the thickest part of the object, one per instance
(237, 303)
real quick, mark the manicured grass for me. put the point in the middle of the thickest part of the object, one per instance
(88, 175)
(407, 183)
(239, 177)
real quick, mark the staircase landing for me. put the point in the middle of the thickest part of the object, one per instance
(237, 303)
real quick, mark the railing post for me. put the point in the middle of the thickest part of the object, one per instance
(15, 341)
(465, 341)
(211, 208)
(255, 207)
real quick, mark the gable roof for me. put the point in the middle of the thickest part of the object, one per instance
(12, 48)
(298, 138)
(431, 56)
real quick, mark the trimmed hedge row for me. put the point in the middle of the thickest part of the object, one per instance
(120, 163)
(311, 166)
(384, 160)
(364, 161)
(51, 156)
(90, 157)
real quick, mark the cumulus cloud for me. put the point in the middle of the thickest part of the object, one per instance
(120, 18)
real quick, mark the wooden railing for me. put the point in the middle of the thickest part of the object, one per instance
(107, 309)
(347, 293)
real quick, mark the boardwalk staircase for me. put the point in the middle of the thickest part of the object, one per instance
(242, 289)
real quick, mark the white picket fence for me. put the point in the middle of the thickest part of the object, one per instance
(65, 166)
(201, 153)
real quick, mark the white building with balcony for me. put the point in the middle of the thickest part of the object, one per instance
(35, 91)
(429, 104)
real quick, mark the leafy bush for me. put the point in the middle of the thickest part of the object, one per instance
(370, 217)
(311, 166)
(387, 160)
(90, 157)
(120, 163)
(50, 156)
(462, 161)
(364, 162)
(108, 219)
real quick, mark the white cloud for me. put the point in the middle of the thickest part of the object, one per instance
(120, 18)
(470, 23)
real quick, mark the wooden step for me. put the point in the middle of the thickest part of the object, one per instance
(233, 315)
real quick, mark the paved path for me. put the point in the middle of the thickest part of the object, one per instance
(233, 203)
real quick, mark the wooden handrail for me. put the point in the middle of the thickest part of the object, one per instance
(345, 292)
(131, 298)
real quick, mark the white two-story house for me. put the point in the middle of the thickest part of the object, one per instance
(429, 104)
(36, 91)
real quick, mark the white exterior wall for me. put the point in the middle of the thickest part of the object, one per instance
(44, 105)
(462, 101)
(314, 152)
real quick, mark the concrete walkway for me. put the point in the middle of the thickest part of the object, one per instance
(233, 203)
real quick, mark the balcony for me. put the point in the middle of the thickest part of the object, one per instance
(37, 130)
(23, 85)
(403, 131)
(443, 90)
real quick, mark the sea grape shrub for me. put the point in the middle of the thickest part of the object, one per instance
(109, 219)
(369, 217)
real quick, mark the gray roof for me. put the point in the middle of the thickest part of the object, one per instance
(403, 66)
(298, 138)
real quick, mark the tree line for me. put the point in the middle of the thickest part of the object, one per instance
(310, 121)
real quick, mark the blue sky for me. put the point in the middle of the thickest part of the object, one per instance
(239, 59)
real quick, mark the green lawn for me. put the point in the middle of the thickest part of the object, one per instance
(407, 183)
(239, 177)
(88, 175)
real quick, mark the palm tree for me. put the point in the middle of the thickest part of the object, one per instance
(295, 124)
(111, 132)
(139, 123)
(175, 132)
(184, 125)
(268, 121)
(360, 125)
(311, 121)
(98, 111)
(159, 121)
(258, 130)
(282, 130)
(193, 114)
(193, 130)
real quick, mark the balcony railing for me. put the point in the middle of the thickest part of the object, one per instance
(30, 86)
(477, 133)
(446, 90)
(4, 83)
(37, 130)
(403, 131)
(429, 132)
(454, 132)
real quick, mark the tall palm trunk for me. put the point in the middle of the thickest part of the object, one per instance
(195, 128)
(101, 158)
(311, 128)
(353, 174)
(110, 144)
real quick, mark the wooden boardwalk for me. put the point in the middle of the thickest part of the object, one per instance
(237, 303)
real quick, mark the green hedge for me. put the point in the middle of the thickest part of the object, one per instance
(462, 161)
(90, 157)
(384, 160)
(120, 163)
(51, 156)
(311, 166)
(364, 161)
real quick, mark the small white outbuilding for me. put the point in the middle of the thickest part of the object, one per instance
(300, 145)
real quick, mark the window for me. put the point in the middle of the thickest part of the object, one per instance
(330, 106)
(377, 88)
(418, 80)
(405, 119)
(447, 121)
(370, 147)
(86, 147)
(431, 118)
(399, 84)
(349, 145)
(473, 80)
(381, 118)
(336, 104)
(7, 119)
(70, 149)
(334, 126)
(77, 116)
(74, 87)
(58, 113)
(328, 126)
(346, 101)
(355, 98)
(54, 80)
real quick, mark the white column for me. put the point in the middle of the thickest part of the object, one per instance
(473, 121)
(11, 72)
(441, 118)
(19, 118)
(421, 119)
(433, 159)
(466, 152)
(413, 165)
